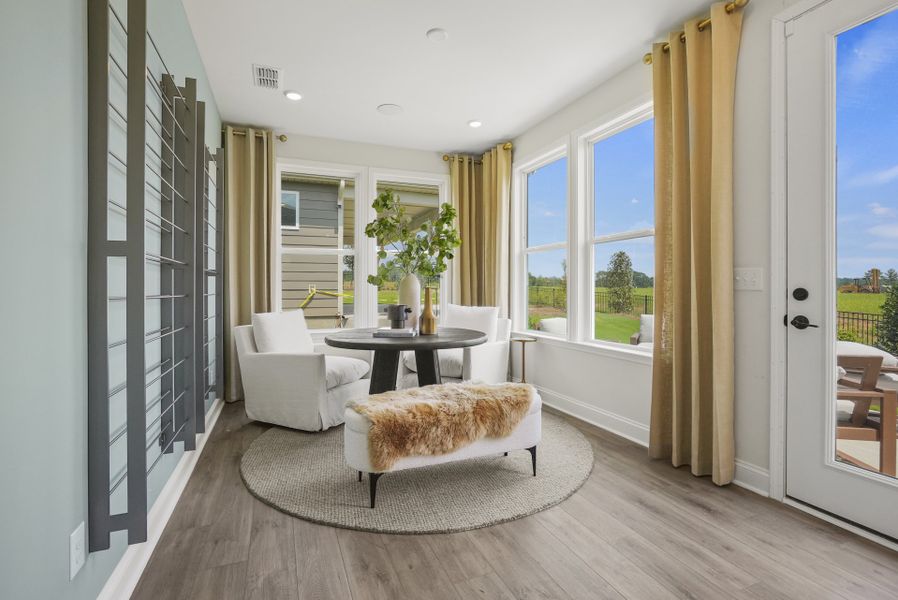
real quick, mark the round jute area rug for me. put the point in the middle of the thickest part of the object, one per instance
(303, 474)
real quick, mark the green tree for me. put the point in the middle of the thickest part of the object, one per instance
(887, 330)
(620, 283)
(891, 277)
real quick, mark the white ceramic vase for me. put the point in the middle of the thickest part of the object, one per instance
(410, 295)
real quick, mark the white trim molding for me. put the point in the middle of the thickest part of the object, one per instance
(127, 573)
(601, 418)
(748, 476)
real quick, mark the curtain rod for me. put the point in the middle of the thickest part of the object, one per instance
(505, 146)
(281, 137)
(730, 7)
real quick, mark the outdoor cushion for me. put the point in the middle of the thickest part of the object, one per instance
(340, 370)
(451, 362)
(858, 349)
(646, 329)
(283, 332)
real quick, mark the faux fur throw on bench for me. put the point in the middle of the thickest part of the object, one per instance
(439, 419)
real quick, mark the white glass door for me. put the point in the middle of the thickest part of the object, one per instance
(842, 152)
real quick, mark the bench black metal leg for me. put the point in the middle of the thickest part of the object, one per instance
(532, 451)
(506, 454)
(372, 485)
(360, 475)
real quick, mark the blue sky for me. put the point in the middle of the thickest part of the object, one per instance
(624, 201)
(867, 141)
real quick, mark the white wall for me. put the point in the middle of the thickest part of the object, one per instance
(351, 153)
(616, 392)
(43, 304)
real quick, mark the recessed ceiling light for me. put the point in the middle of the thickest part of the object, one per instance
(293, 95)
(437, 34)
(475, 124)
(389, 109)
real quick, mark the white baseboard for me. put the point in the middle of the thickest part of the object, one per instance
(749, 476)
(752, 477)
(609, 421)
(127, 572)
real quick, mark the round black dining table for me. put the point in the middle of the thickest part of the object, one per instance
(387, 351)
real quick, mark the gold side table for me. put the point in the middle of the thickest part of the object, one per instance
(523, 341)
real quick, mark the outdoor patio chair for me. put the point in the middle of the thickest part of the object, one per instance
(860, 422)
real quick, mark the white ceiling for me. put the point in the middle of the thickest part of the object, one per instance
(507, 63)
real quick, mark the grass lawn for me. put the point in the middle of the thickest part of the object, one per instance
(616, 328)
(862, 303)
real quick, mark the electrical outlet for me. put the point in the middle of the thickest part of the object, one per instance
(749, 279)
(76, 550)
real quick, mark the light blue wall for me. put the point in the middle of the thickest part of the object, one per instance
(43, 245)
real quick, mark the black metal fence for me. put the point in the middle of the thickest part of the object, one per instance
(643, 304)
(556, 297)
(859, 327)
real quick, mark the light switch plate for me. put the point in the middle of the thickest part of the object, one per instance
(749, 279)
(76, 550)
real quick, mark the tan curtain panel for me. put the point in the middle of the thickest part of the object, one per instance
(481, 193)
(692, 387)
(249, 247)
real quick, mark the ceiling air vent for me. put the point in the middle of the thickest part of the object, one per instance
(268, 78)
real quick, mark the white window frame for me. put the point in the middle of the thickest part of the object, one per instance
(520, 311)
(578, 147)
(295, 194)
(587, 143)
(361, 293)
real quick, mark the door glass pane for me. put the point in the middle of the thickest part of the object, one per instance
(422, 204)
(867, 244)
(317, 248)
(624, 291)
(547, 291)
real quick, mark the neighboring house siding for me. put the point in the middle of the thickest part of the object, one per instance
(319, 227)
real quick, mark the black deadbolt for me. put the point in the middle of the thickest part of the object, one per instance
(800, 294)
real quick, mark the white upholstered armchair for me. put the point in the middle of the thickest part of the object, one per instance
(486, 363)
(290, 381)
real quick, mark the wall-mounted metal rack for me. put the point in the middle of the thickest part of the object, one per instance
(152, 194)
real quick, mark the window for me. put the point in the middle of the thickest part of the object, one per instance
(318, 248)
(623, 233)
(290, 209)
(584, 247)
(545, 250)
(422, 203)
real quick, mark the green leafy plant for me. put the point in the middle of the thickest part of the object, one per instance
(425, 251)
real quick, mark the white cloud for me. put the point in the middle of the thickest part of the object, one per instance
(879, 210)
(549, 213)
(883, 245)
(634, 201)
(877, 177)
(874, 51)
(889, 231)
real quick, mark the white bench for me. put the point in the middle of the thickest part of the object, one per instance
(526, 436)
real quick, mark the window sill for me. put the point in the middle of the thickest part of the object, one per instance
(605, 349)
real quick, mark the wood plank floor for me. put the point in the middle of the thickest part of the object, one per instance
(637, 529)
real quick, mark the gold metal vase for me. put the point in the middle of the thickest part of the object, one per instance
(428, 324)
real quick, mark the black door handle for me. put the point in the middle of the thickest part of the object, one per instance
(801, 322)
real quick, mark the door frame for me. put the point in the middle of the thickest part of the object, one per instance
(781, 26)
